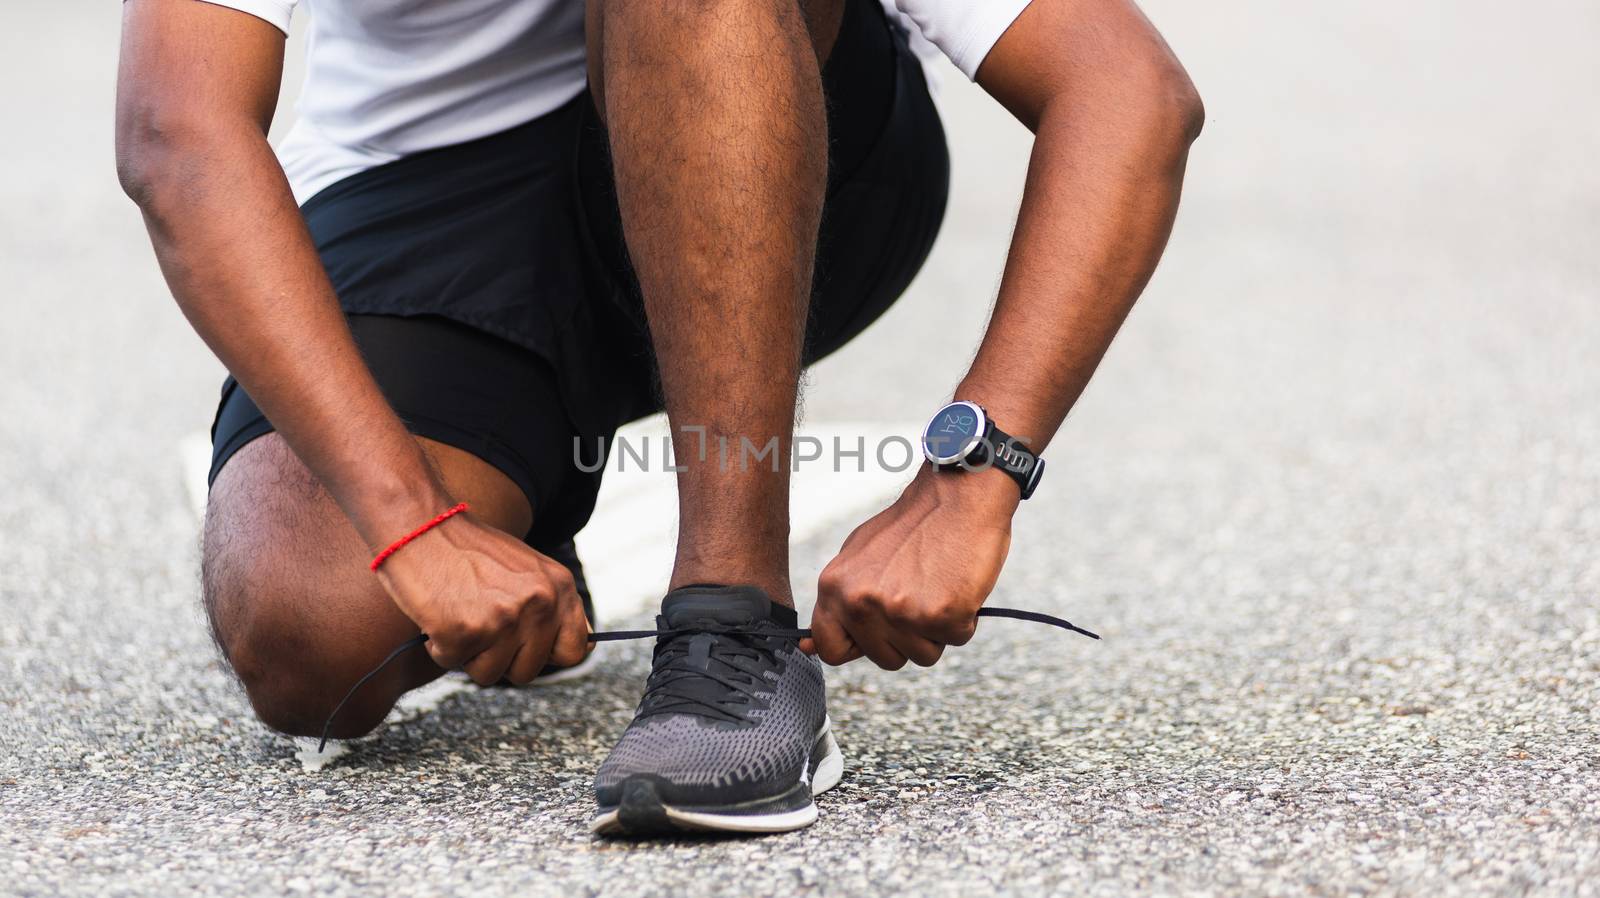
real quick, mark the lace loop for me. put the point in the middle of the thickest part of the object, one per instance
(671, 687)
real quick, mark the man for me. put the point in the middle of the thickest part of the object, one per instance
(471, 254)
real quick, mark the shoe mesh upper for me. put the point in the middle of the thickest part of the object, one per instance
(690, 750)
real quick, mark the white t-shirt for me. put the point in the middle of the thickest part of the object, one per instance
(387, 78)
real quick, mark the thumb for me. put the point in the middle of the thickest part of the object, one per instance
(829, 641)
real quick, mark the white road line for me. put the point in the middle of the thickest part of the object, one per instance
(194, 454)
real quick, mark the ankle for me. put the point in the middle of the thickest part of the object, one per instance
(776, 587)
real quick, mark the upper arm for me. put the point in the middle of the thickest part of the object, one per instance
(1092, 45)
(192, 69)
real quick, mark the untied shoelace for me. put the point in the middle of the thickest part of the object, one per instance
(618, 635)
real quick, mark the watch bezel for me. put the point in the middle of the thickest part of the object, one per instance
(966, 447)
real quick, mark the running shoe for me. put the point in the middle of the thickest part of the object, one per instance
(732, 734)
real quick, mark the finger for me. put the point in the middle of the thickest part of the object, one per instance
(490, 667)
(864, 623)
(451, 653)
(829, 641)
(442, 656)
(572, 640)
(523, 669)
(536, 635)
(955, 634)
(873, 642)
(883, 654)
(918, 649)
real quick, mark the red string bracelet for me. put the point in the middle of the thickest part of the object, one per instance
(400, 543)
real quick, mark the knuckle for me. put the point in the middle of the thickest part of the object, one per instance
(443, 654)
(500, 616)
(451, 643)
(902, 609)
(962, 632)
(831, 580)
(863, 602)
(561, 578)
(543, 603)
(932, 620)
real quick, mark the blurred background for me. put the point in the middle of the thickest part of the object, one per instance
(1333, 499)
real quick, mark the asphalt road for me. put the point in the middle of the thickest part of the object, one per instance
(1334, 502)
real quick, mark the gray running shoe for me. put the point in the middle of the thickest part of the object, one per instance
(732, 733)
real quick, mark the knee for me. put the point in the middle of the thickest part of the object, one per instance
(289, 601)
(293, 675)
(296, 691)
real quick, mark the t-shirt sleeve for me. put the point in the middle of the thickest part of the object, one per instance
(966, 30)
(274, 12)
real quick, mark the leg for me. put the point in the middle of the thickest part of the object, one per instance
(885, 193)
(290, 600)
(718, 139)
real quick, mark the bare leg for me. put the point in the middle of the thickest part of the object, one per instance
(291, 602)
(718, 139)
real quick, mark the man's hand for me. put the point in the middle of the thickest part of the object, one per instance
(489, 604)
(910, 581)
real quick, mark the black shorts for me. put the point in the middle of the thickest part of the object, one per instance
(489, 289)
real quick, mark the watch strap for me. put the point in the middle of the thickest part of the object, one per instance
(1009, 454)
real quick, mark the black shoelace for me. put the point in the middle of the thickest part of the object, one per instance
(618, 635)
(677, 684)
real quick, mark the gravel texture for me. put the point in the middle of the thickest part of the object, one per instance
(1334, 503)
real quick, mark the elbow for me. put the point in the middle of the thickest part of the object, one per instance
(1144, 98)
(137, 177)
(1174, 111)
(1189, 111)
(153, 142)
(138, 145)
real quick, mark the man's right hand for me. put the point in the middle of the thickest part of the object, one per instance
(490, 605)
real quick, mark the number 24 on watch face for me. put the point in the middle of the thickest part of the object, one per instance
(953, 432)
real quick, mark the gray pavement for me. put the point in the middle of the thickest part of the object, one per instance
(1334, 501)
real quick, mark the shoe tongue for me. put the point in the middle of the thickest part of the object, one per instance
(729, 606)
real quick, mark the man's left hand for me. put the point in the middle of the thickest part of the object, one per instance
(910, 581)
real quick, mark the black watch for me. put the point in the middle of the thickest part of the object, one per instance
(961, 435)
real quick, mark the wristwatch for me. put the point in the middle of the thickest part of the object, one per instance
(961, 435)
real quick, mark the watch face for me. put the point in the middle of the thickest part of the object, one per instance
(953, 432)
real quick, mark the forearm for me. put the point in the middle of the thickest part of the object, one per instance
(1101, 194)
(1114, 114)
(243, 269)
